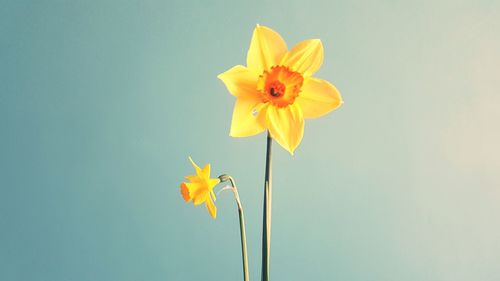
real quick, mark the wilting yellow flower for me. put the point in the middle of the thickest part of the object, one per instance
(200, 188)
(275, 91)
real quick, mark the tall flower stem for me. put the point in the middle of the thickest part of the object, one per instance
(266, 228)
(223, 178)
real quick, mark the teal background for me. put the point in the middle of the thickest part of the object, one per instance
(101, 103)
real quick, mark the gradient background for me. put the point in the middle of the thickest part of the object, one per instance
(102, 102)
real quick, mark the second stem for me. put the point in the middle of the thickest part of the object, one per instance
(266, 232)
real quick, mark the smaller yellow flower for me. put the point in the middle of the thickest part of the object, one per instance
(200, 188)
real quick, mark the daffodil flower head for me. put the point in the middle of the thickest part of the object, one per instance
(200, 187)
(276, 90)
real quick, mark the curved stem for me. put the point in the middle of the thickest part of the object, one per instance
(266, 231)
(246, 275)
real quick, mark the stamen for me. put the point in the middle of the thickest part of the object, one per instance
(273, 93)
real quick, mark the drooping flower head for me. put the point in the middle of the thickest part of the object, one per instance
(276, 90)
(200, 188)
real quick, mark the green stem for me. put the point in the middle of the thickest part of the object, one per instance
(246, 275)
(266, 231)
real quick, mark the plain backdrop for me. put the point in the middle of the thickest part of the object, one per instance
(102, 102)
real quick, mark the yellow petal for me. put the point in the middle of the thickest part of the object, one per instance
(196, 168)
(206, 171)
(193, 178)
(266, 49)
(318, 97)
(212, 183)
(212, 209)
(212, 196)
(286, 125)
(200, 197)
(244, 123)
(262, 114)
(306, 57)
(185, 192)
(240, 81)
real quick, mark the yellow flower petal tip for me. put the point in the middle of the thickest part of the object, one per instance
(200, 187)
(276, 90)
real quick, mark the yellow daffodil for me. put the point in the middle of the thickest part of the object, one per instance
(200, 188)
(276, 90)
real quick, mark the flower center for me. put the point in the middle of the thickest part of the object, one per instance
(276, 89)
(279, 86)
